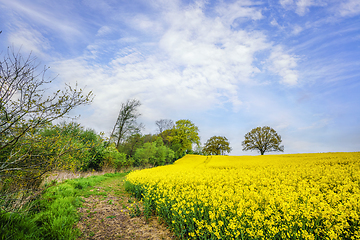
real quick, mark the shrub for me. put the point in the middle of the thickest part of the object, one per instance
(113, 158)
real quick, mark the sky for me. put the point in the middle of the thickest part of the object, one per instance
(228, 66)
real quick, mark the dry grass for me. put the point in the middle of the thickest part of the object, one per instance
(60, 176)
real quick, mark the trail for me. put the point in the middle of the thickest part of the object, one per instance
(107, 216)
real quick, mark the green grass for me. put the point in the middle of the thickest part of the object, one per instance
(54, 214)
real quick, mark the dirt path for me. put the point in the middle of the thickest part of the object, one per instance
(105, 215)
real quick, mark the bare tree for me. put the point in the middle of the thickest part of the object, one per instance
(24, 109)
(164, 124)
(126, 122)
(264, 139)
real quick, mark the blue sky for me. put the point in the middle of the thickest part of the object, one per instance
(228, 66)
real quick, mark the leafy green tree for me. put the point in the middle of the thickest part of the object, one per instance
(184, 135)
(126, 122)
(166, 136)
(154, 153)
(263, 139)
(146, 154)
(87, 147)
(217, 145)
(68, 136)
(163, 154)
(131, 144)
(25, 108)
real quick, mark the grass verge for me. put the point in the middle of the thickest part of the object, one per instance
(54, 214)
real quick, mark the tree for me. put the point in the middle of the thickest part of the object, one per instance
(164, 124)
(126, 124)
(217, 145)
(264, 139)
(146, 154)
(132, 143)
(25, 108)
(184, 135)
(154, 153)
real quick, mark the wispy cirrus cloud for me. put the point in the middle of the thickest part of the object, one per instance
(349, 8)
(42, 15)
(30, 41)
(343, 8)
(301, 7)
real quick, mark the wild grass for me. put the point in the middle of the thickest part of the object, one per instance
(53, 214)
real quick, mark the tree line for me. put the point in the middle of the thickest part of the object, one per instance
(180, 137)
(172, 141)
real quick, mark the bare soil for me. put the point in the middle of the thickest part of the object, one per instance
(106, 214)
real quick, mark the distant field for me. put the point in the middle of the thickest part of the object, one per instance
(295, 196)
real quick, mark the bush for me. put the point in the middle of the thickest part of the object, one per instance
(154, 153)
(114, 159)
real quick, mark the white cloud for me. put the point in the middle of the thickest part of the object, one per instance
(245, 9)
(284, 65)
(344, 8)
(45, 16)
(349, 8)
(145, 24)
(104, 30)
(286, 2)
(297, 29)
(199, 62)
(209, 45)
(302, 6)
(30, 40)
(274, 23)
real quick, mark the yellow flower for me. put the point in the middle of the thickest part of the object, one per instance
(263, 197)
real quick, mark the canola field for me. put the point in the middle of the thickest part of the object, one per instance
(295, 196)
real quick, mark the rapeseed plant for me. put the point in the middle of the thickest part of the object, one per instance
(296, 196)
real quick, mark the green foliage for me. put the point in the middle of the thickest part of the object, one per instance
(114, 159)
(163, 155)
(178, 153)
(86, 148)
(146, 154)
(25, 109)
(173, 142)
(182, 137)
(132, 143)
(95, 158)
(90, 152)
(217, 145)
(53, 214)
(135, 189)
(186, 134)
(44, 150)
(17, 226)
(154, 153)
(68, 136)
(135, 210)
(264, 139)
